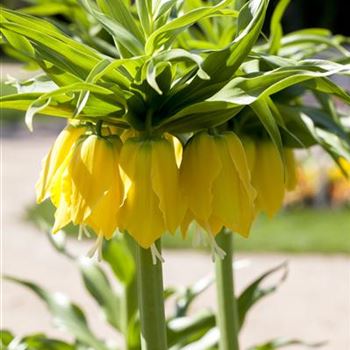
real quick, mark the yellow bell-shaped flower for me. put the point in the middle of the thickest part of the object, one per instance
(153, 203)
(216, 180)
(269, 176)
(89, 190)
(291, 169)
(104, 217)
(54, 159)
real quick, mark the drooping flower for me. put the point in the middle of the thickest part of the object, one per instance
(104, 217)
(291, 169)
(55, 158)
(216, 180)
(89, 190)
(270, 177)
(153, 203)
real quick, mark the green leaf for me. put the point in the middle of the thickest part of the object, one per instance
(254, 292)
(219, 65)
(91, 78)
(265, 115)
(276, 31)
(5, 339)
(36, 107)
(66, 314)
(46, 35)
(41, 342)
(189, 294)
(47, 10)
(210, 340)
(118, 10)
(184, 329)
(124, 38)
(283, 343)
(96, 282)
(202, 115)
(117, 254)
(165, 34)
(145, 12)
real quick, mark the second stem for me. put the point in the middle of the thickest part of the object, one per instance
(227, 317)
(151, 300)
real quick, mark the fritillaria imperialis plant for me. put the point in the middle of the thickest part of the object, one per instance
(191, 118)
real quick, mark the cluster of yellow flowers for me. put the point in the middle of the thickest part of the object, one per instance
(148, 185)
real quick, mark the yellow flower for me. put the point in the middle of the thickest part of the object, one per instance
(54, 159)
(336, 174)
(153, 203)
(104, 217)
(269, 177)
(291, 169)
(216, 180)
(88, 190)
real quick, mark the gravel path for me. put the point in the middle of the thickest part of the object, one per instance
(314, 303)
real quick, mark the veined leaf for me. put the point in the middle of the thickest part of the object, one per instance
(276, 32)
(45, 10)
(125, 39)
(99, 287)
(254, 292)
(166, 33)
(191, 327)
(118, 10)
(219, 65)
(5, 338)
(33, 109)
(66, 315)
(39, 342)
(204, 115)
(263, 112)
(145, 13)
(283, 343)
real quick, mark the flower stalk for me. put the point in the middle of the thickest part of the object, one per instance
(227, 315)
(151, 300)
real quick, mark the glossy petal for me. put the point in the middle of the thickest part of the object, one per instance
(55, 158)
(91, 171)
(104, 217)
(250, 151)
(140, 214)
(165, 183)
(291, 173)
(200, 167)
(268, 178)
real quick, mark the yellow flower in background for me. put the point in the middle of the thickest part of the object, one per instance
(216, 181)
(89, 190)
(269, 176)
(153, 203)
(339, 182)
(54, 159)
(335, 172)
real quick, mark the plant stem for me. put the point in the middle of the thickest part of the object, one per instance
(151, 300)
(227, 317)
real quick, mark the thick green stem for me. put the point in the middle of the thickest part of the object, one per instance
(227, 317)
(151, 301)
